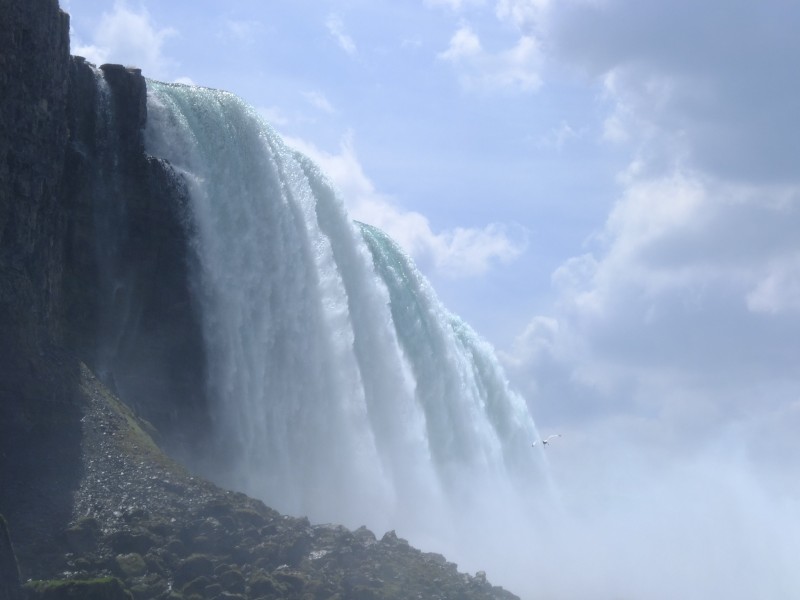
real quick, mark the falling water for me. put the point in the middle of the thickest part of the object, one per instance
(343, 389)
(108, 220)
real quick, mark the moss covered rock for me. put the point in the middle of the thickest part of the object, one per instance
(197, 565)
(130, 565)
(107, 588)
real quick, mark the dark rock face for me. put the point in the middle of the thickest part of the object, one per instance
(34, 58)
(9, 572)
(128, 304)
(39, 428)
(93, 265)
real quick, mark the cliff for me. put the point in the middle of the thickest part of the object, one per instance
(101, 350)
(127, 303)
(39, 427)
(93, 265)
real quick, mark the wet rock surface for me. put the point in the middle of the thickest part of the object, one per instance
(128, 308)
(143, 521)
(9, 572)
(39, 428)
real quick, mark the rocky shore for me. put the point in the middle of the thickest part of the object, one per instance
(143, 527)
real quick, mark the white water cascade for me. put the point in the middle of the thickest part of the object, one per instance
(342, 389)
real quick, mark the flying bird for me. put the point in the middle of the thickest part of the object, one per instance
(546, 440)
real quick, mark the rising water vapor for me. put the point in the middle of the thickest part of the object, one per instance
(342, 389)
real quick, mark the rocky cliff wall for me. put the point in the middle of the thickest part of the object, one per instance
(34, 61)
(94, 267)
(39, 423)
(127, 285)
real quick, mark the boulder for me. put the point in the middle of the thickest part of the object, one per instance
(131, 565)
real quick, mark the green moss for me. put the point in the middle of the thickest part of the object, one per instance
(232, 580)
(262, 584)
(134, 440)
(197, 565)
(131, 565)
(196, 586)
(104, 588)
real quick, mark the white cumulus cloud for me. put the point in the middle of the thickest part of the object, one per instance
(463, 44)
(515, 68)
(522, 13)
(319, 101)
(687, 306)
(131, 38)
(336, 29)
(246, 31)
(455, 5)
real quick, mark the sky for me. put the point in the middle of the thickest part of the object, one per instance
(607, 190)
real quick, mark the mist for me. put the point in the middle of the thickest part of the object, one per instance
(623, 518)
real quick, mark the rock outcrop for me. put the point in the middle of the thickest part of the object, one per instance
(128, 307)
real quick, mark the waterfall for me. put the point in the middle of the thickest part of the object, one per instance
(108, 219)
(343, 389)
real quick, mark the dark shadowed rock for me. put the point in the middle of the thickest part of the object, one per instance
(128, 305)
(127, 541)
(9, 572)
(39, 431)
(82, 537)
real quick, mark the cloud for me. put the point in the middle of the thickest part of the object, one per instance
(455, 5)
(687, 306)
(712, 79)
(778, 290)
(128, 37)
(524, 14)
(246, 31)
(336, 29)
(411, 43)
(274, 115)
(668, 363)
(558, 137)
(516, 68)
(694, 290)
(459, 252)
(319, 101)
(463, 45)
